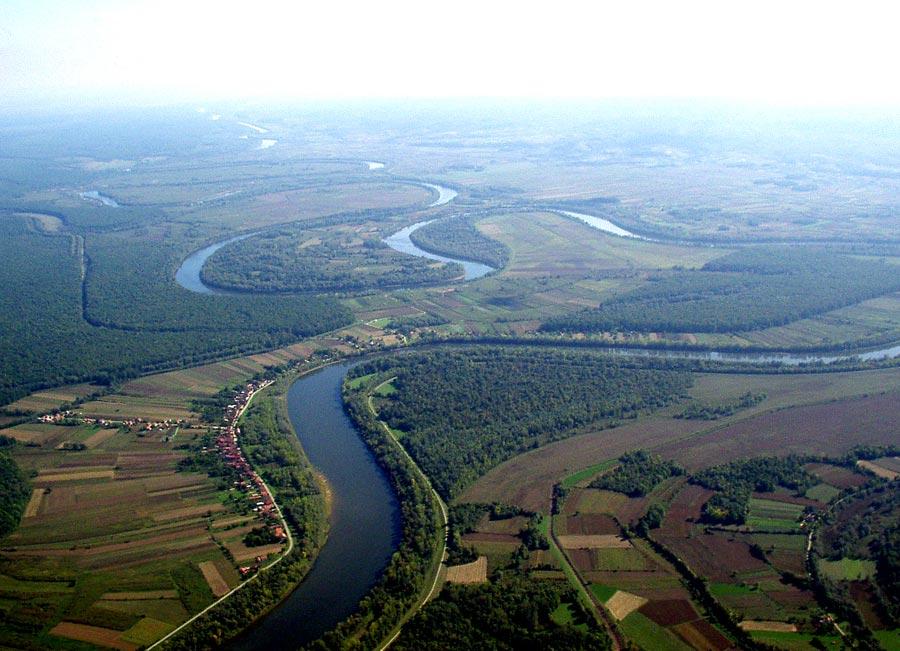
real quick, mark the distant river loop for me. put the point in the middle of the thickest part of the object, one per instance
(188, 274)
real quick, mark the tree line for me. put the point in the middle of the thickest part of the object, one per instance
(637, 474)
(14, 494)
(511, 613)
(735, 482)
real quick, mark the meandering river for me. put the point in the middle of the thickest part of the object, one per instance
(365, 519)
(445, 195)
(95, 195)
(400, 241)
(188, 274)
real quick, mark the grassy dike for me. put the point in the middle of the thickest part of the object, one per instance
(410, 571)
(302, 499)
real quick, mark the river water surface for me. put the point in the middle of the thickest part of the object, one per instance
(188, 274)
(600, 224)
(365, 519)
(400, 241)
(95, 195)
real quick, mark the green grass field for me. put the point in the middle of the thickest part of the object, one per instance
(847, 569)
(822, 492)
(649, 635)
(797, 641)
(773, 515)
(588, 473)
(602, 592)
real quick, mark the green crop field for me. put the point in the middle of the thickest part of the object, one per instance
(649, 635)
(847, 569)
(770, 514)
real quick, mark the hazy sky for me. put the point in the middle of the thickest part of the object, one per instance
(785, 52)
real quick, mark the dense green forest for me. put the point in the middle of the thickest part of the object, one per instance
(151, 300)
(511, 613)
(749, 289)
(337, 258)
(14, 494)
(457, 237)
(462, 412)
(736, 481)
(637, 474)
(149, 323)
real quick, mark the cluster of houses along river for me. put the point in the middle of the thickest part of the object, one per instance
(248, 481)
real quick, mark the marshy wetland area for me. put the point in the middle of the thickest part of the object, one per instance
(346, 377)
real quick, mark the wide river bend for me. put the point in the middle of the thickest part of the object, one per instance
(365, 524)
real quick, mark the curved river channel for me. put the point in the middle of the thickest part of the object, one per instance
(188, 274)
(365, 519)
(365, 524)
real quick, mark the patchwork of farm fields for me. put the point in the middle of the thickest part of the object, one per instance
(642, 591)
(117, 546)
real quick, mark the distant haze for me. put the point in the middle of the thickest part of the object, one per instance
(781, 53)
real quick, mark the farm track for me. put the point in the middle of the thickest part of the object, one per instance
(618, 642)
(444, 516)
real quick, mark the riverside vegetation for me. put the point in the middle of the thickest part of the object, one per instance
(745, 290)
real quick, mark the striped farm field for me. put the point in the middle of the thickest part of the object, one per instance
(878, 469)
(83, 475)
(136, 596)
(216, 583)
(34, 504)
(104, 637)
(649, 635)
(99, 437)
(776, 627)
(146, 631)
(599, 541)
(474, 572)
(170, 611)
(836, 476)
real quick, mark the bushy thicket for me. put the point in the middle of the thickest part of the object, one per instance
(513, 613)
(637, 474)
